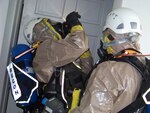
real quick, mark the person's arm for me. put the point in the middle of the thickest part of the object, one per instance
(55, 53)
(110, 88)
(60, 52)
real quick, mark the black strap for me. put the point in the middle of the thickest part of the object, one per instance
(74, 76)
(53, 86)
(136, 63)
(134, 106)
(143, 69)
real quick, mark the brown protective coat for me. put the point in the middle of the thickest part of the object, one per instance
(112, 86)
(54, 53)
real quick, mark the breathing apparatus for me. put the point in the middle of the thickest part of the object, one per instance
(24, 85)
(122, 27)
(113, 39)
(22, 77)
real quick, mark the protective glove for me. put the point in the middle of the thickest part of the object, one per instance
(72, 19)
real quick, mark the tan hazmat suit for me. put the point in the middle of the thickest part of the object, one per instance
(53, 53)
(112, 86)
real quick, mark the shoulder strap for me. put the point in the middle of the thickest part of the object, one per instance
(145, 73)
(144, 70)
(136, 63)
(138, 104)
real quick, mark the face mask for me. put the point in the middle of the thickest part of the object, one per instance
(110, 41)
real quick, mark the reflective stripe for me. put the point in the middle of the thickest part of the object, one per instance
(145, 97)
(62, 87)
(56, 34)
(26, 74)
(76, 65)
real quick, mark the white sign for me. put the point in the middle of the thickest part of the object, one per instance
(13, 81)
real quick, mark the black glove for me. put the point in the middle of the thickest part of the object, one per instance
(72, 19)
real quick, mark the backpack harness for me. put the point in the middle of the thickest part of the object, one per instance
(142, 98)
(74, 86)
(144, 94)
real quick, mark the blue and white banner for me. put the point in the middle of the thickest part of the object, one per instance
(13, 81)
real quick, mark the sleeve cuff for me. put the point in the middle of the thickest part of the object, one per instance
(76, 28)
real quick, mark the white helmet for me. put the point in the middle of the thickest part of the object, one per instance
(28, 29)
(123, 20)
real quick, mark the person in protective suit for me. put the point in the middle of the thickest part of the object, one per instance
(114, 84)
(60, 44)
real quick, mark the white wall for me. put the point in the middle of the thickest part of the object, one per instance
(117, 3)
(142, 8)
(3, 14)
(9, 18)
